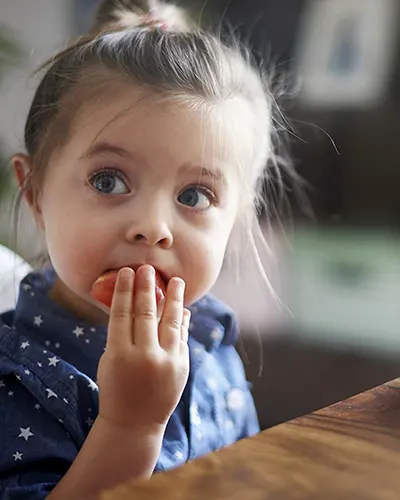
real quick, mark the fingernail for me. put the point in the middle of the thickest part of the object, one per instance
(186, 318)
(150, 272)
(125, 273)
(181, 286)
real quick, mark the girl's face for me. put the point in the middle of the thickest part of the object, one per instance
(140, 181)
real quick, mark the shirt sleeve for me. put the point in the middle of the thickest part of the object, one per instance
(36, 448)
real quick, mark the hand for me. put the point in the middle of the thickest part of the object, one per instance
(145, 367)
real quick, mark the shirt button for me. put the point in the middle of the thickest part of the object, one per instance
(235, 399)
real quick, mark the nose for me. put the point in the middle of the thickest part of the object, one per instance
(151, 229)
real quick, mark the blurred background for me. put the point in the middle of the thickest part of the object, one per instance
(334, 261)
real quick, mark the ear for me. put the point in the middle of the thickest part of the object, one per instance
(22, 169)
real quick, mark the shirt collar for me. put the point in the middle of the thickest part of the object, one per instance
(54, 327)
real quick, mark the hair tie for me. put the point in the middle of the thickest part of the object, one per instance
(151, 22)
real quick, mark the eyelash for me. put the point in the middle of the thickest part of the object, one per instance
(107, 170)
(114, 171)
(204, 190)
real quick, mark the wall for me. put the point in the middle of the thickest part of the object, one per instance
(41, 26)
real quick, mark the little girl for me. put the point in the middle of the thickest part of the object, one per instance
(146, 144)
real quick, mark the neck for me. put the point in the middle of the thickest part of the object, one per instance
(81, 308)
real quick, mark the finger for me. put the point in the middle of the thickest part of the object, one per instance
(185, 326)
(169, 330)
(145, 333)
(120, 323)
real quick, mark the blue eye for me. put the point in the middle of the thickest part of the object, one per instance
(109, 181)
(199, 198)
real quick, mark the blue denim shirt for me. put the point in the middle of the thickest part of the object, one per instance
(49, 396)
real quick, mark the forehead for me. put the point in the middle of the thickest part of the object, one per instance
(181, 129)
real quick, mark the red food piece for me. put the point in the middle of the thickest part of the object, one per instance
(103, 288)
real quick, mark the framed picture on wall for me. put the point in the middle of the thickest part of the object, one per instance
(345, 50)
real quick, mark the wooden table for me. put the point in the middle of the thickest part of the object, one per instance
(350, 450)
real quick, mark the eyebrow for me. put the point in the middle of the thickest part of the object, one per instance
(217, 176)
(104, 148)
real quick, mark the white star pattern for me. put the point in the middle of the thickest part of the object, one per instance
(53, 361)
(57, 344)
(71, 377)
(39, 364)
(2, 384)
(26, 287)
(198, 351)
(235, 399)
(25, 433)
(32, 294)
(10, 393)
(93, 329)
(89, 422)
(199, 434)
(38, 320)
(93, 385)
(87, 341)
(196, 420)
(27, 372)
(18, 377)
(24, 345)
(78, 332)
(37, 406)
(61, 420)
(216, 335)
(51, 394)
(47, 343)
(66, 401)
(17, 456)
(44, 352)
(212, 383)
(179, 455)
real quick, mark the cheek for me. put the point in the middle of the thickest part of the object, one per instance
(203, 260)
(78, 247)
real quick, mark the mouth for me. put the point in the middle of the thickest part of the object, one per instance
(103, 288)
(162, 279)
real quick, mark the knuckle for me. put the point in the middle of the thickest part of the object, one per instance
(174, 323)
(147, 314)
(184, 345)
(117, 357)
(146, 286)
(121, 313)
(152, 360)
(124, 287)
(176, 302)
